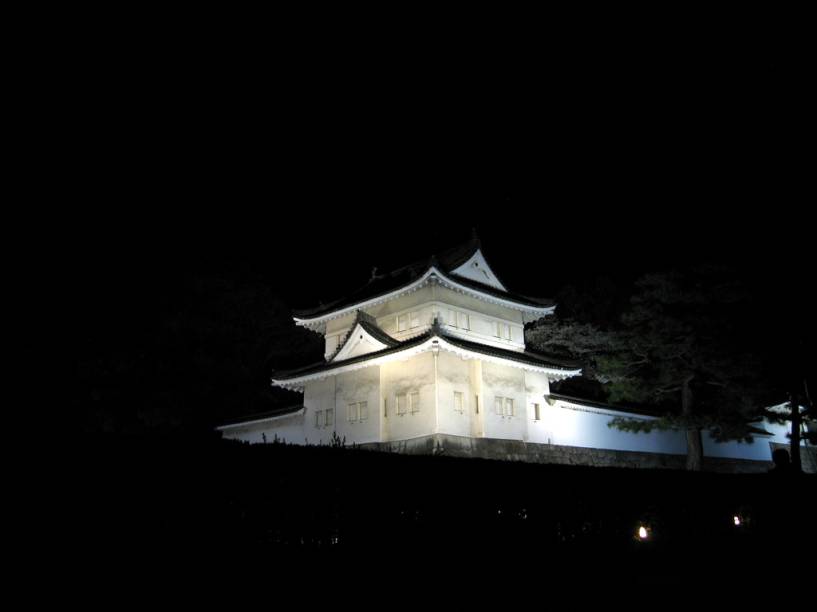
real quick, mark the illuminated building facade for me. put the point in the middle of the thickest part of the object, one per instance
(431, 358)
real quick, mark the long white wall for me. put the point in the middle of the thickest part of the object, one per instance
(437, 379)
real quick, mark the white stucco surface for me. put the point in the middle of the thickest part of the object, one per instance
(436, 374)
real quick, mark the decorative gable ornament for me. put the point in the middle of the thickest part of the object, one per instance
(478, 270)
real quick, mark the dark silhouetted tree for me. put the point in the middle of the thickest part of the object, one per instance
(680, 347)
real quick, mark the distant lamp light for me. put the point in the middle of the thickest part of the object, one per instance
(736, 520)
(643, 534)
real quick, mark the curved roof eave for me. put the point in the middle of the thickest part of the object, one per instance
(432, 274)
(422, 344)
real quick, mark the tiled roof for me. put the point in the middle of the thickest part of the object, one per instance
(641, 411)
(263, 415)
(526, 357)
(445, 261)
(369, 325)
(323, 366)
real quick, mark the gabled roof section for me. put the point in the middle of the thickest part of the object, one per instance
(366, 337)
(453, 268)
(476, 269)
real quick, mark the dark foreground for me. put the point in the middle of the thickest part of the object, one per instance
(327, 516)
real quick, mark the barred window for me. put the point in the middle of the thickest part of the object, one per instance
(359, 411)
(459, 319)
(504, 406)
(414, 401)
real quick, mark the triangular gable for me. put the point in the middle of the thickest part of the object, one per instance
(477, 269)
(361, 342)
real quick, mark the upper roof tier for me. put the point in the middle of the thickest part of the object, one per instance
(462, 268)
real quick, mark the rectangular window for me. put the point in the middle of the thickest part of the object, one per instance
(318, 418)
(507, 332)
(402, 322)
(329, 415)
(358, 411)
(414, 319)
(498, 405)
(536, 415)
(458, 401)
(498, 329)
(452, 318)
(462, 321)
(476, 404)
(414, 401)
(402, 404)
(385, 407)
(508, 407)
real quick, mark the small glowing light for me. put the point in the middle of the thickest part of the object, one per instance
(642, 532)
(736, 518)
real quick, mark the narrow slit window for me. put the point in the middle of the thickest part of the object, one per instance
(458, 401)
(536, 415)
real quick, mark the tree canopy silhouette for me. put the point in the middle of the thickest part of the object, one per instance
(681, 346)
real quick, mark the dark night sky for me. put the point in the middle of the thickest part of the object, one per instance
(311, 163)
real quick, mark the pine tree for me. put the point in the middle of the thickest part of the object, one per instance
(680, 346)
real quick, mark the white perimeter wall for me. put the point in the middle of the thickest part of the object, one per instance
(561, 424)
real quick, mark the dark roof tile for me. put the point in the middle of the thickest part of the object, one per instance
(446, 261)
(528, 357)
